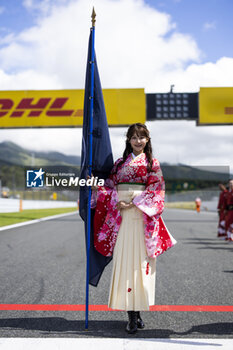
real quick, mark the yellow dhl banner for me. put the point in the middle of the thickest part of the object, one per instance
(64, 108)
(215, 106)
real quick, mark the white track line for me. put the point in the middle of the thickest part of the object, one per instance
(115, 344)
(3, 228)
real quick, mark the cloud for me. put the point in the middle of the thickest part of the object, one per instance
(29, 79)
(195, 76)
(186, 143)
(209, 26)
(142, 49)
(42, 7)
(133, 45)
(137, 46)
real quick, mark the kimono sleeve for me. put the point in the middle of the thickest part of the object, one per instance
(151, 200)
(109, 184)
(111, 181)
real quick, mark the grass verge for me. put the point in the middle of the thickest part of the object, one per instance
(31, 214)
(181, 205)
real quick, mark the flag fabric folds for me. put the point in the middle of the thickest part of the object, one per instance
(102, 159)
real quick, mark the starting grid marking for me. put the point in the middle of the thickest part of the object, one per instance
(81, 307)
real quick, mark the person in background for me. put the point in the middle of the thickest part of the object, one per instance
(198, 204)
(222, 204)
(229, 213)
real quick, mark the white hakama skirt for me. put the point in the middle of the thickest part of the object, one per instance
(132, 285)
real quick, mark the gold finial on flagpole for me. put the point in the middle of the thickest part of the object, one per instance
(93, 17)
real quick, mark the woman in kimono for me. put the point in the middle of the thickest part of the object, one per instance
(229, 213)
(222, 206)
(128, 224)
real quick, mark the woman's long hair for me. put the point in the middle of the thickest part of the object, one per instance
(140, 130)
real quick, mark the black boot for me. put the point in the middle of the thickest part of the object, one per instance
(140, 323)
(132, 324)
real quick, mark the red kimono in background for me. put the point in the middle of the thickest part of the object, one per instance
(222, 205)
(229, 216)
(108, 218)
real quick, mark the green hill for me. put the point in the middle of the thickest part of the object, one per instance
(10, 153)
(15, 159)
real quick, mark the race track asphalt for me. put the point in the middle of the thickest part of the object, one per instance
(44, 263)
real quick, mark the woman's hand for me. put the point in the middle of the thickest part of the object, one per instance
(94, 188)
(124, 205)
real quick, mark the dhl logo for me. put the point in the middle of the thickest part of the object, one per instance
(64, 108)
(50, 106)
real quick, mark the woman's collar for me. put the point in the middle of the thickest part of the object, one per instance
(139, 155)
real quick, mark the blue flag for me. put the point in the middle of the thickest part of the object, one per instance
(102, 159)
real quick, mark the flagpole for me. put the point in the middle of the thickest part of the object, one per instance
(91, 101)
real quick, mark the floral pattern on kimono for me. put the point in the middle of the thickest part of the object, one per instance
(108, 218)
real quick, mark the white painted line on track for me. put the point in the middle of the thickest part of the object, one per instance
(115, 343)
(3, 228)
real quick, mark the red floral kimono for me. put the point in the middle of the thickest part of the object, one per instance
(229, 216)
(222, 206)
(108, 218)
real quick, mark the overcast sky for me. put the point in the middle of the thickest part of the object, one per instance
(139, 44)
